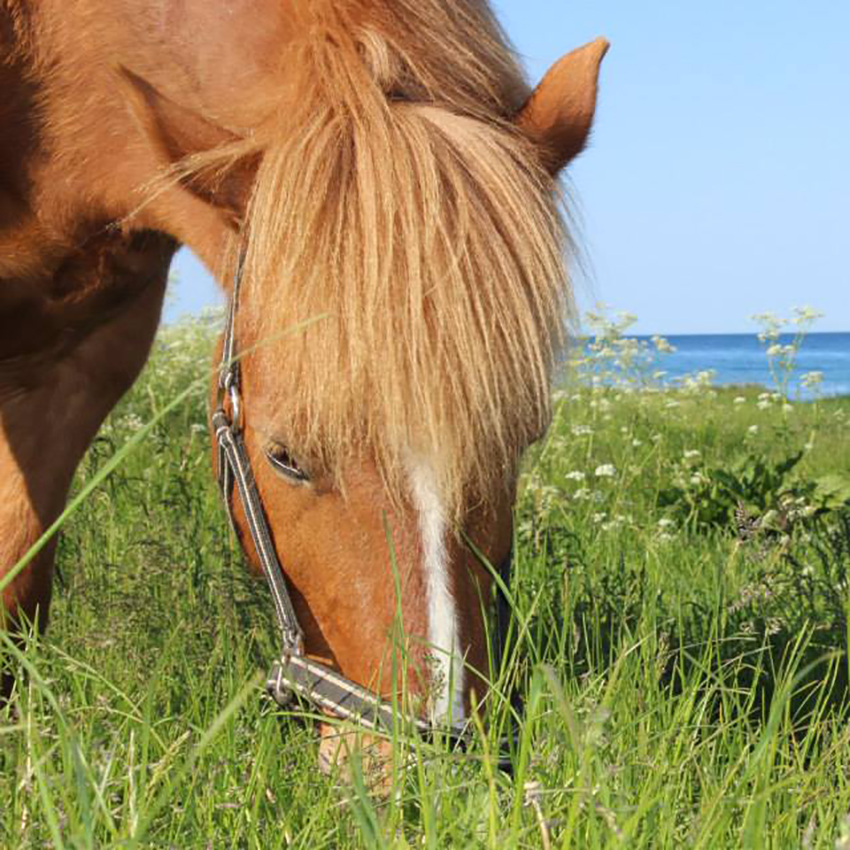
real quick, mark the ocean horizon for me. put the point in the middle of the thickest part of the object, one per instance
(741, 359)
(733, 358)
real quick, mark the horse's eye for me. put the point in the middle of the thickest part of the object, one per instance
(282, 462)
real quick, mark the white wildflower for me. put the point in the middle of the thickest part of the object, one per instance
(810, 380)
(698, 382)
(806, 315)
(606, 470)
(771, 324)
(576, 475)
(663, 346)
(132, 422)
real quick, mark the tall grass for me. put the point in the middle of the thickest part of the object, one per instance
(682, 660)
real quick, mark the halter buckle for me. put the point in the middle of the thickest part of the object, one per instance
(232, 390)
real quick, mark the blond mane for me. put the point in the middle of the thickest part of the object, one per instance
(397, 203)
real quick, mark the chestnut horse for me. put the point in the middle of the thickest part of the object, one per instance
(389, 181)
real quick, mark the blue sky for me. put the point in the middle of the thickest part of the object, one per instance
(718, 181)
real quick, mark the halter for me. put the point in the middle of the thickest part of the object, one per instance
(293, 673)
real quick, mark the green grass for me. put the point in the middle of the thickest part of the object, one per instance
(683, 686)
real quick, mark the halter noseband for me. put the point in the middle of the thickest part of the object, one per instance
(294, 673)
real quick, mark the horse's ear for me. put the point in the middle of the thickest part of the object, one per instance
(559, 114)
(178, 133)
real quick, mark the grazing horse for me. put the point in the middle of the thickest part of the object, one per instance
(386, 184)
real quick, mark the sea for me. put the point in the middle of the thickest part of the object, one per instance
(741, 359)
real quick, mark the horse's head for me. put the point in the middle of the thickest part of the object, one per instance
(403, 299)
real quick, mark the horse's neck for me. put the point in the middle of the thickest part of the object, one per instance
(68, 162)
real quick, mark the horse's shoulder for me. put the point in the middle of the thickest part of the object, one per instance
(71, 289)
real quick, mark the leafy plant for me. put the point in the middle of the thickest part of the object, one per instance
(753, 487)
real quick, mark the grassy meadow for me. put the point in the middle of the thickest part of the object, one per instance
(680, 641)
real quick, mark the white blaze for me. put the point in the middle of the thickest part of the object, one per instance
(443, 635)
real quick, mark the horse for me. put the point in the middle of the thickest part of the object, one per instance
(381, 183)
